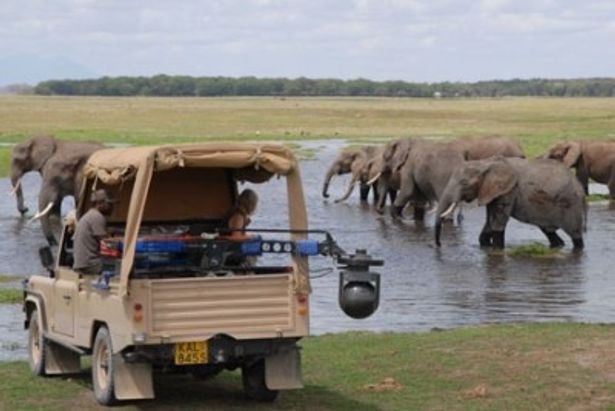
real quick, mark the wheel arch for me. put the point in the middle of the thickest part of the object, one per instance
(32, 303)
(96, 325)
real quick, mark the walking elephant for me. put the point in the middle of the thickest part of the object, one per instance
(354, 161)
(480, 148)
(591, 159)
(540, 192)
(424, 176)
(59, 163)
(387, 169)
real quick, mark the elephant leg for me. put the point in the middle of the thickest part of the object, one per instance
(460, 216)
(555, 241)
(375, 193)
(392, 195)
(485, 239)
(498, 239)
(498, 213)
(382, 187)
(419, 213)
(583, 175)
(576, 234)
(611, 184)
(577, 243)
(364, 191)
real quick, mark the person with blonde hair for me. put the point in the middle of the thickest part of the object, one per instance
(240, 217)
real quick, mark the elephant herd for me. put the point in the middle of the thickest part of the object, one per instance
(424, 175)
(439, 177)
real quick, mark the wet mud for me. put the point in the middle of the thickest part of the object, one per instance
(423, 287)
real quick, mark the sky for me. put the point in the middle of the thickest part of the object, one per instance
(410, 40)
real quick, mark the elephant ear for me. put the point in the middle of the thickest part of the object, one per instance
(358, 163)
(498, 179)
(21, 151)
(573, 153)
(41, 149)
(401, 160)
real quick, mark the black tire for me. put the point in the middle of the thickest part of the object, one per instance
(254, 386)
(102, 368)
(36, 345)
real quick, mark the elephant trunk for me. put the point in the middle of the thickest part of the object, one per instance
(382, 188)
(325, 187)
(349, 190)
(17, 191)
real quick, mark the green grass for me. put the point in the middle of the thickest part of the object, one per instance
(592, 198)
(8, 278)
(5, 161)
(532, 250)
(10, 296)
(535, 122)
(513, 367)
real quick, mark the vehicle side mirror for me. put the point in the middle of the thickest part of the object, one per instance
(359, 289)
(46, 258)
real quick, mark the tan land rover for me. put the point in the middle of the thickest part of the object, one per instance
(176, 291)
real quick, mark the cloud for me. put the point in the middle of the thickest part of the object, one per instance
(346, 38)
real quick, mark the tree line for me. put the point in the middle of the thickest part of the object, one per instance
(178, 86)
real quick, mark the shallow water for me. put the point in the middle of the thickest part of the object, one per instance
(423, 287)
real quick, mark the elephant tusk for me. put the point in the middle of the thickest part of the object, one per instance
(374, 179)
(15, 188)
(42, 213)
(449, 210)
(432, 209)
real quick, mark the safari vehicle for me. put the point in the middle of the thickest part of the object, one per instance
(169, 297)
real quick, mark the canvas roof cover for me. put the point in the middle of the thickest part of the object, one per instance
(252, 162)
(113, 165)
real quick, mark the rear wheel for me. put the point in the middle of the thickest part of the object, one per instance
(102, 368)
(36, 345)
(253, 378)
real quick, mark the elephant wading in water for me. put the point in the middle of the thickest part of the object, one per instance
(540, 192)
(424, 176)
(386, 170)
(353, 161)
(59, 164)
(396, 153)
(591, 159)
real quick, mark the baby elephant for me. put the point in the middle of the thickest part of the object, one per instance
(540, 192)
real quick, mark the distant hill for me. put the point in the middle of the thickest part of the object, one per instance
(163, 85)
(31, 69)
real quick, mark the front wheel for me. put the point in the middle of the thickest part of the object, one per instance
(102, 368)
(253, 378)
(36, 345)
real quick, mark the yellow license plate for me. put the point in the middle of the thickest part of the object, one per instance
(191, 353)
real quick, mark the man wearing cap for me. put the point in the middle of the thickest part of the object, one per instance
(91, 228)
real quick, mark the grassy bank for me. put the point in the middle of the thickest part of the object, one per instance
(11, 296)
(535, 122)
(513, 367)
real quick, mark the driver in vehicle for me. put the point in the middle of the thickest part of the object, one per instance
(91, 228)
